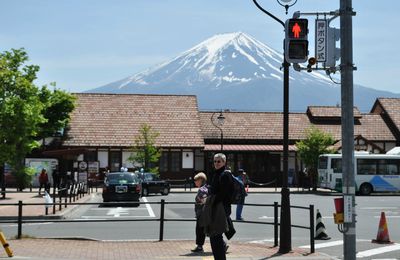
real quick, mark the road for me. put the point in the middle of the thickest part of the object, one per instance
(368, 209)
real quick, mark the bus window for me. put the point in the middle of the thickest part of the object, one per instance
(336, 165)
(366, 166)
(323, 162)
(388, 167)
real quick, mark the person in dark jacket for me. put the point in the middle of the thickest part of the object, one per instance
(221, 186)
(200, 180)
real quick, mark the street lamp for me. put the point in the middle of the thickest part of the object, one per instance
(220, 122)
(285, 242)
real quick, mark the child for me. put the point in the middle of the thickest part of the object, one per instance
(200, 181)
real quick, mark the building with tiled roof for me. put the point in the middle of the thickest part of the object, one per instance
(103, 127)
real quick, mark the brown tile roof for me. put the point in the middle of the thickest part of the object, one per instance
(329, 112)
(390, 106)
(269, 126)
(114, 120)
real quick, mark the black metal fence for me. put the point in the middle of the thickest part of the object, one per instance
(162, 219)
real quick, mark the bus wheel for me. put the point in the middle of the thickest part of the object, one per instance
(365, 189)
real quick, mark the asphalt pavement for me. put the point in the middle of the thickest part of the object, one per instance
(78, 248)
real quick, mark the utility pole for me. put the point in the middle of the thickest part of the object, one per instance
(346, 71)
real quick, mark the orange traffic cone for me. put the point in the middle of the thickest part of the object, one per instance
(383, 234)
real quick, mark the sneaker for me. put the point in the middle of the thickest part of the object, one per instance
(240, 219)
(198, 249)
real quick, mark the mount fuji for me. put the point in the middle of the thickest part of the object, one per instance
(235, 71)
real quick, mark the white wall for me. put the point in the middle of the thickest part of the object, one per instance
(187, 160)
(103, 158)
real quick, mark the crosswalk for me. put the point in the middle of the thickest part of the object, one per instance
(372, 253)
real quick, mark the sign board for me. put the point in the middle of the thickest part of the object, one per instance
(348, 209)
(321, 38)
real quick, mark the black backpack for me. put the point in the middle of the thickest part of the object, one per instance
(238, 191)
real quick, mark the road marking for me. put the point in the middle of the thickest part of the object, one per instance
(124, 208)
(149, 209)
(265, 217)
(377, 251)
(387, 216)
(264, 241)
(116, 212)
(327, 244)
(368, 208)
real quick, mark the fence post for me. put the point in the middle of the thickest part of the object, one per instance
(312, 240)
(275, 223)
(19, 219)
(162, 220)
(54, 198)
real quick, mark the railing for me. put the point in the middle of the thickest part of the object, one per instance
(20, 221)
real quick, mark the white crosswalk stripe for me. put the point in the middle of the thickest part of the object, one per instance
(377, 251)
(361, 254)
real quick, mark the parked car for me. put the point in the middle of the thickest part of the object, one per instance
(151, 183)
(122, 186)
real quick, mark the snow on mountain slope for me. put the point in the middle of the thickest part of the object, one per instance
(233, 71)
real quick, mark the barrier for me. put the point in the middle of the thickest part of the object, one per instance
(20, 221)
(6, 245)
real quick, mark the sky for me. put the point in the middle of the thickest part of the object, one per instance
(84, 44)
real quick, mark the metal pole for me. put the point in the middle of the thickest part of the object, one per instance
(162, 220)
(285, 231)
(346, 69)
(19, 219)
(285, 225)
(312, 239)
(276, 223)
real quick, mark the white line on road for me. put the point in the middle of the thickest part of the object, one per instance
(149, 209)
(387, 216)
(327, 244)
(377, 251)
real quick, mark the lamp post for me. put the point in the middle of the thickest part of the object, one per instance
(220, 122)
(285, 242)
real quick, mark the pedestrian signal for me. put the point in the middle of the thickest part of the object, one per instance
(296, 40)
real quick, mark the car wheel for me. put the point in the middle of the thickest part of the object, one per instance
(145, 192)
(365, 189)
(165, 191)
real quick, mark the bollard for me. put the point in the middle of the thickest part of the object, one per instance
(276, 223)
(19, 219)
(312, 239)
(6, 245)
(162, 220)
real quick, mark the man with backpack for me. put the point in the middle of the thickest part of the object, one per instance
(221, 189)
(242, 178)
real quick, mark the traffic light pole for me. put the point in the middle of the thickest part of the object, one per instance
(346, 70)
(285, 241)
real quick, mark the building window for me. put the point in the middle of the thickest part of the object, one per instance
(175, 161)
(164, 162)
(91, 156)
(198, 160)
(115, 160)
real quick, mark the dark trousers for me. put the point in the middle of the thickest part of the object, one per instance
(200, 236)
(44, 185)
(218, 247)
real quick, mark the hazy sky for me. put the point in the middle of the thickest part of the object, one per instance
(84, 44)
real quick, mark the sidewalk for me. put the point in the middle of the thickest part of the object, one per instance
(145, 250)
(33, 211)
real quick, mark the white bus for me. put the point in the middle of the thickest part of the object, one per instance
(373, 172)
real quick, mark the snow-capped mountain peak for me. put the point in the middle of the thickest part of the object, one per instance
(245, 71)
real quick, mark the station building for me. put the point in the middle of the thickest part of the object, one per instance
(103, 128)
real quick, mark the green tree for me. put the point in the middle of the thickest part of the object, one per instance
(25, 115)
(316, 143)
(58, 106)
(144, 150)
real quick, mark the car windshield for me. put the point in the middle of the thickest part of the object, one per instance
(121, 178)
(150, 177)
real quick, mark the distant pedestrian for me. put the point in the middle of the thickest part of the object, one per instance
(43, 180)
(239, 207)
(56, 179)
(200, 180)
